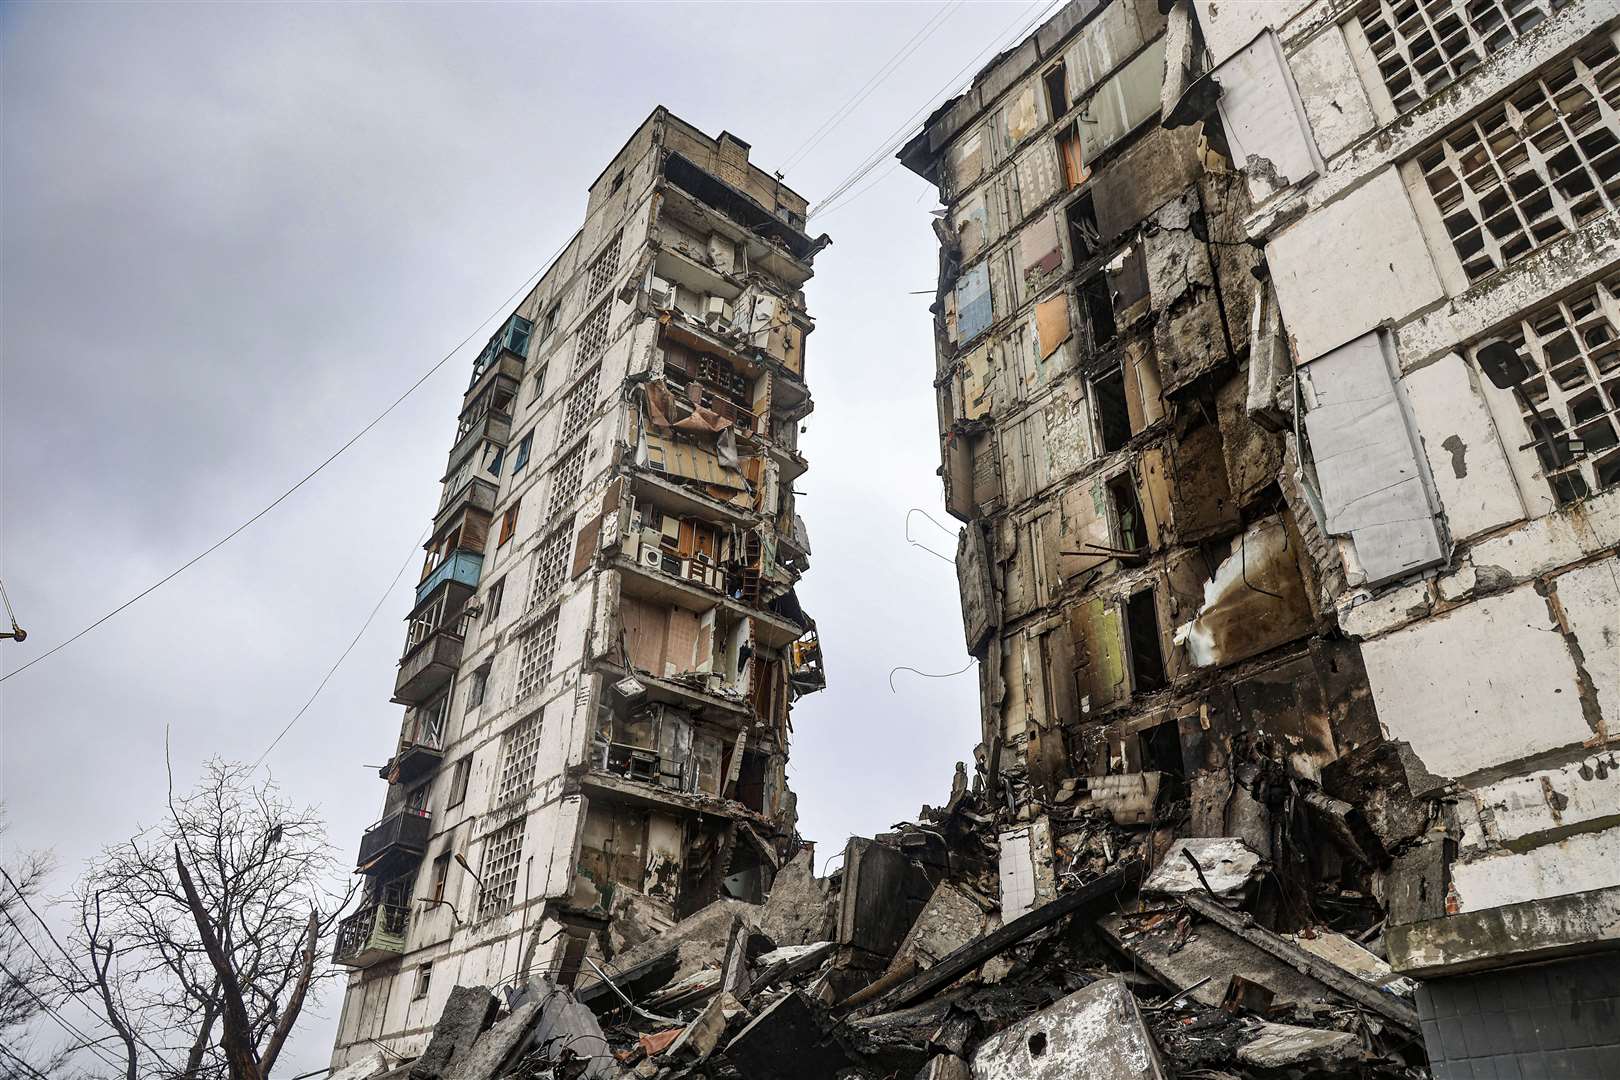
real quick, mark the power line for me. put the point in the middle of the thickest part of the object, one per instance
(1018, 27)
(88, 1043)
(279, 499)
(409, 558)
(900, 55)
(29, 1069)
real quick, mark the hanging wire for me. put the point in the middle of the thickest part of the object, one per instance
(927, 675)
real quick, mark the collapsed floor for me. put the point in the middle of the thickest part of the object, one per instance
(1135, 954)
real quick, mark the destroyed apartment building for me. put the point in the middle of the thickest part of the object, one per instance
(606, 641)
(1278, 371)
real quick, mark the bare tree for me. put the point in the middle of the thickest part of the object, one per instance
(29, 985)
(202, 935)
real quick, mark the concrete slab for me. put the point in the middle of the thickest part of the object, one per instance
(1096, 1032)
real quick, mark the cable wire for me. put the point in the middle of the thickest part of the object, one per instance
(87, 1042)
(279, 499)
(900, 55)
(1018, 28)
(410, 557)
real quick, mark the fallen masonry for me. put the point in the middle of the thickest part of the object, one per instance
(1126, 972)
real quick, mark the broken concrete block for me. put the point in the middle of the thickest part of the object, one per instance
(373, 1064)
(882, 893)
(1341, 952)
(634, 918)
(786, 1041)
(497, 1045)
(467, 1013)
(945, 1067)
(1096, 1032)
(1283, 1045)
(947, 922)
(1228, 865)
(800, 908)
(696, 942)
(1129, 797)
(1205, 962)
(699, 1038)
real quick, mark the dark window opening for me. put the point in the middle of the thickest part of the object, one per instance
(1142, 629)
(751, 781)
(424, 979)
(1113, 414)
(575, 942)
(441, 875)
(459, 774)
(1131, 536)
(1098, 302)
(618, 181)
(1160, 747)
(1084, 237)
(1057, 90)
(745, 876)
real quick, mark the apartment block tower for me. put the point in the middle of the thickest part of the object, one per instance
(1278, 369)
(606, 642)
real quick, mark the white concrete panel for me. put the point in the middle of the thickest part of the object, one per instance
(1590, 596)
(1335, 102)
(1264, 119)
(1373, 481)
(1470, 471)
(1228, 25)
(1555, 540)
(1580, 792)
(1578, 864)
(1369, 238)
(1480, 686)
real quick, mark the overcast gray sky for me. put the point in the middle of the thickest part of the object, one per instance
(232, 234)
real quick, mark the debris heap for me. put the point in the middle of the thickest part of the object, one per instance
(1071, 946)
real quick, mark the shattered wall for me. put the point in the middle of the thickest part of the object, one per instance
(1310, 520)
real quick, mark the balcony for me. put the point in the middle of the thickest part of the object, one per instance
(495, 427)
(505, 367)
(374, 933)
(476, 494)
(459, 566)
(427, 668)
(421, 746)
(389, 847)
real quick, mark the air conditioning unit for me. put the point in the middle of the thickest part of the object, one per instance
(718, 310)
(649, 556)
(660, 293)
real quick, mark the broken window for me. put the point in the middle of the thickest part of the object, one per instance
(503, 851)
(492, 601)
(424, 979)
(1570, 400)
(1057, 90)
(460, 772)
(509, 523)
(1142, 632)
(1533, 167)
(566, 479)
(521, 458)
(534, 659)
(539, 383)
(1113, 412)
(441, 876)
(1127, 509)
(1422, 46)
(477, 687)
(1084, 238)
(1074, 166)
(1098, 302)
(593, 335)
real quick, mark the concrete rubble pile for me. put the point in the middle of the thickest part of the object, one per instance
(1143, 954)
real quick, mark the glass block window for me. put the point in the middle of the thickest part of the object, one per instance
(580, 404)
(1532, 167)
(1571, 404)
(604, 268)
(566, 479)
(593, 335)
(551, 564)
(1422, 46)
(535, 655)
(521, 756)
(503, 852)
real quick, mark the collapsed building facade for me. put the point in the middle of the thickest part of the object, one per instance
(1279, 382)
(606, 641)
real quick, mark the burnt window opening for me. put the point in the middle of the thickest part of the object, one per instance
(1142, 631)
(751, 781)
(1084, 236)
(1098, 303)
(1056, 81)
(1113, 414)
(1127, 509)
(1160, 747)
(745, 875)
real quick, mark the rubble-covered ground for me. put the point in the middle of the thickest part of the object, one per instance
(1143, 956)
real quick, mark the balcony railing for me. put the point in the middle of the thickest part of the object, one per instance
(375, 932)
(462, 566)
(391, 845)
